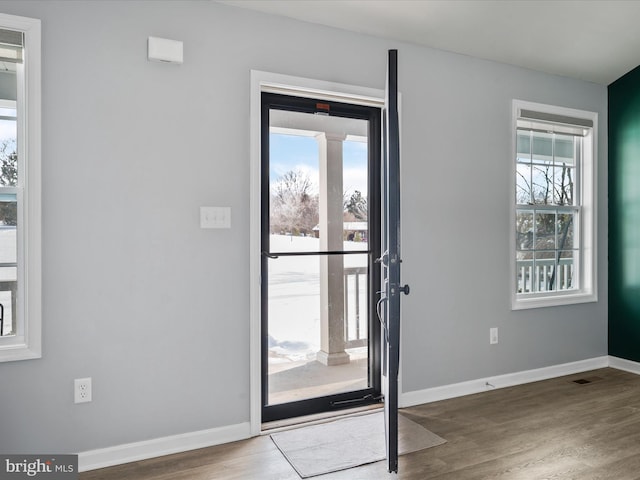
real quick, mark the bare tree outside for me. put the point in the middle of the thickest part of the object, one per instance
(8, 178)
(355, 207)
(8, 163)
(295, 207)
(294, 204)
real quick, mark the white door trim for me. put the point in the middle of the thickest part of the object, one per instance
(273, 82)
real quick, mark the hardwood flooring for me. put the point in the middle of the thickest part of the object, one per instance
(554, 429)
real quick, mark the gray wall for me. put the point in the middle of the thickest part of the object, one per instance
(156, 310)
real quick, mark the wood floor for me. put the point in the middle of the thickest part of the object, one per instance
(554, 429)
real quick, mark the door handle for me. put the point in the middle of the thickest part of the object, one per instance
(384, 259)
(405, 289)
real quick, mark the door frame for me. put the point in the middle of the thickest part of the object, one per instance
(372, 115)
(298, 86)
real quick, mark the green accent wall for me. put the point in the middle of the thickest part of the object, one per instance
(624, 216)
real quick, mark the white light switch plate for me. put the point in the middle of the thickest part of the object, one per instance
(493, 335)
(215, 217)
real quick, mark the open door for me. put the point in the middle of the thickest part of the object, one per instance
(391, 288)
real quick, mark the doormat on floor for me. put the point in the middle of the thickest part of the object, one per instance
(348, 442)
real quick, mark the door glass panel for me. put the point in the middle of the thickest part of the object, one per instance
(318, 176)
(307, 330)
(318, 292)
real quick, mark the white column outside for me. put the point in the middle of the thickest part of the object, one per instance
(331, 238)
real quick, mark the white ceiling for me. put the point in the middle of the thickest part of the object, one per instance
(594, 40)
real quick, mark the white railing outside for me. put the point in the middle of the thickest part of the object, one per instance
(355, 307)
(536, 276)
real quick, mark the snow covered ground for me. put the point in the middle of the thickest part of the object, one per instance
(294, 297)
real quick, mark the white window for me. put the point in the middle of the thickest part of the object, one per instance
(554, 213)
(20, 271)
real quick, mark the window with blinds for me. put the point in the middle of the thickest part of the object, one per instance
(553, 241)
(20, 196)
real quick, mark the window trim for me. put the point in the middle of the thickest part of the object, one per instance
(28, 345)
(587, 201)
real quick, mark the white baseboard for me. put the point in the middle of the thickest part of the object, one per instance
(157, 447)
(419, 397)
(131, 452)
(626, 365)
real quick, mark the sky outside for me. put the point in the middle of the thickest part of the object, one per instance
(294, 152)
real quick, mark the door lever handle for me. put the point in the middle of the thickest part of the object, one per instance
(405, 289)
(384, 259)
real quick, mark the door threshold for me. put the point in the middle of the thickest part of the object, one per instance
(289, 423)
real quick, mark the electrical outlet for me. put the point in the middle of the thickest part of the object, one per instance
(82, 390)
(493, 335)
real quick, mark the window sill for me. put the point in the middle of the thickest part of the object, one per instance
(10, 352)
(552, 300)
